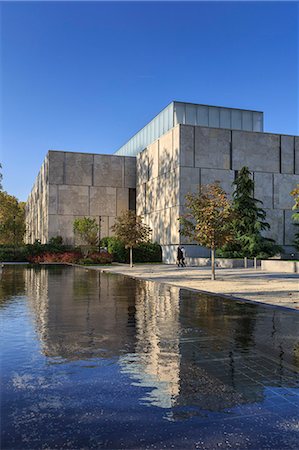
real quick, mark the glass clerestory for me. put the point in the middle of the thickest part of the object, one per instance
(191, 114)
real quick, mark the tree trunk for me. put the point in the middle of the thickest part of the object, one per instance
(131, 257)
(213, 263)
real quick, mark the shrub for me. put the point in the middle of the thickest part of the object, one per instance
(116, 248)
(148, 252)
(102, 257)
(55, 245)
(145, 252)
(48, 257)
(11, 254)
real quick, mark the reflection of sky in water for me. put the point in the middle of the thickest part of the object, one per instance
(94, 361)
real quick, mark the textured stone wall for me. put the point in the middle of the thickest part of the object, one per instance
(72, 185)
(37, 207)
(210, 154)
(78, 185)
(157, 187)
(189, 156)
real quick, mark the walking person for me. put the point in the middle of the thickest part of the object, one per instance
(183, 256)
(179, 257)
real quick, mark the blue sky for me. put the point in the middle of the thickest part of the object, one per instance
(85, 76)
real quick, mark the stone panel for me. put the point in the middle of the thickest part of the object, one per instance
(258, 151)
(73, 200)
(275, 219)
(175, 133)
(142, 167)
(56, 167)
(53, 189)
(78, 169)
(111, 222)
(104, 227)
(287, 154)
(153, 160)
(122, 200)
(187, 146)
(152, 199)
(174, 237)
(290, 229)
(212, 148)
(297, 154)
(62, 225)
(189, 182)
(168, 189)
(130, 172)
(283, 185)
(225, 178)
(140, 199)
(167, 159)
(108, 170)
(102, 201)
(263, 188)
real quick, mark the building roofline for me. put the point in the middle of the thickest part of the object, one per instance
(218, 106)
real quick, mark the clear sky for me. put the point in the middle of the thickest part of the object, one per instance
(86, 76)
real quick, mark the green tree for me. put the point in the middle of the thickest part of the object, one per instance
(87, 231)
(249, 222)
(295, 216)
(208, 219)
(1, 177)
(130, 229)
(12, 220)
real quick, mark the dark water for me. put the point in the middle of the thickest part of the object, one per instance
(94, 360)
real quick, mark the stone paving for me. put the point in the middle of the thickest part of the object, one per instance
(272, 288)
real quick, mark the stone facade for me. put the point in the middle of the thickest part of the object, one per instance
(189, 156)
(72, 185)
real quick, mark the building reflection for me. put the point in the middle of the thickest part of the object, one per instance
(182, 348)
(12, 283)
(80, 314)
(155, 362)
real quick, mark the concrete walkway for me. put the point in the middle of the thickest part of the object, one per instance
(273, 288)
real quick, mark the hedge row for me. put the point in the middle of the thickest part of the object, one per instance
(147, 252)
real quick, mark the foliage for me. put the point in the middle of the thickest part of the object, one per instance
(102, 257)
(209, 219)
(147, 252)
(295, 216)
(130, 229)
(55, 245)
(116, 248)
(26, 252)
(56, 241)
(249, 223)
(12, 220)
(144, 252)
(87, 230)
(53, 257)
(1, 177)
(13, 254)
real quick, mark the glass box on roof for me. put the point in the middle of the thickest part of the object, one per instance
(191, 114)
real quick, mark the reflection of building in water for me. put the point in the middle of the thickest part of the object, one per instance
(80, 314)
(156, 360)
(12, 283)
(184, 348)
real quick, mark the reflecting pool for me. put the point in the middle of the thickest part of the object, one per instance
(94, 360)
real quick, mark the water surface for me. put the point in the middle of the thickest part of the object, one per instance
(94, 360)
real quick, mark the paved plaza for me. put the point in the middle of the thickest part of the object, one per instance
(272, 288)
